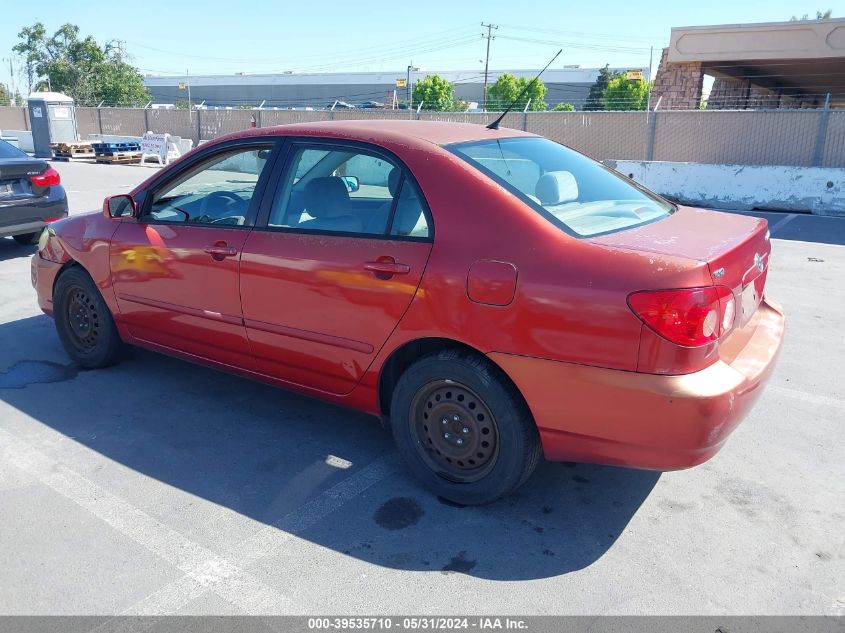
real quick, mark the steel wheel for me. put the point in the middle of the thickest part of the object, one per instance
(83, 319)
(456, 429)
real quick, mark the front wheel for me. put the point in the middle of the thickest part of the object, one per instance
(83, 321)
(463, 428)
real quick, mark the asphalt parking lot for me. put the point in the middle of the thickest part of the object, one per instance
(161, 487)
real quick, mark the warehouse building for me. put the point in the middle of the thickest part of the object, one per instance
(321, 90)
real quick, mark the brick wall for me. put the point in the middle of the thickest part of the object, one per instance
(677, 86)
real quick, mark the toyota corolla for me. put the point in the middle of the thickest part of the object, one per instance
(492, 295)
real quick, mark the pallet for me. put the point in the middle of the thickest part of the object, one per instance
(78, 146)
(119, 158)
(111, 148)
(72, 155)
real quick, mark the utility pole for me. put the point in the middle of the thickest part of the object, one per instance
(12, 88)
(488, 37)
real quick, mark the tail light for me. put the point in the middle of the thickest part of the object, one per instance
(691, 316)
(49, 178)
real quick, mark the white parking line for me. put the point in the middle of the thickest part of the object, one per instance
(781, 223)
(205, 569)
(806, 396)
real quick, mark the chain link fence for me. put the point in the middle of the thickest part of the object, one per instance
(745, 137)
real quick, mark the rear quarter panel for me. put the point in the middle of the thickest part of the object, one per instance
(570, 302)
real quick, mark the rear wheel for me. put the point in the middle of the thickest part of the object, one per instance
(83, 321)
(27, 238)
(463, 428)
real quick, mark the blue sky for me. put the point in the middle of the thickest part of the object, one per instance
(227, 36)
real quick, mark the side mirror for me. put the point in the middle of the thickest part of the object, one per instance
(120, 206)
(352, 183)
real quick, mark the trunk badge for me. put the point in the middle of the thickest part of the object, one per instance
(719, 273)
(758, 261)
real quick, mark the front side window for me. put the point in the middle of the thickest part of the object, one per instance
(574, 192)
(348, 191)
(218, 191)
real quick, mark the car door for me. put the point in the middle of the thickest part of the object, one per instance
(334, 262)
(175, 269)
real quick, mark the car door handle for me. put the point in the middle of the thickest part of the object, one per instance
(387, 267)
(221, 250)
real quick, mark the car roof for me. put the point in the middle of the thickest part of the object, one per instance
(387, 131)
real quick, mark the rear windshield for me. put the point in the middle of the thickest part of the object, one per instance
(7, 150)
(575, 193)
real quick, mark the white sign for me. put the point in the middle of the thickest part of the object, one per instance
(61, 113)
(36, 112)
(155, 144)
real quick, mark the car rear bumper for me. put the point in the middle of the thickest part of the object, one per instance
(607, 416)
(30, 215)
(44, 273)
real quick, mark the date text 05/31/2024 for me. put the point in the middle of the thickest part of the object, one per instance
(431, 623)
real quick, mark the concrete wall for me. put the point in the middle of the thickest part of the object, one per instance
(815, 189)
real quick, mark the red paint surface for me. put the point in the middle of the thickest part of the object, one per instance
(311, 313)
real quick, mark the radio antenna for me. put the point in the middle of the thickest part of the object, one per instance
(495, 124)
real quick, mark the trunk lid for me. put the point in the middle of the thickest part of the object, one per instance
(14, 178)
(735, 248)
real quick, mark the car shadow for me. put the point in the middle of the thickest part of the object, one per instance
(802, 227)
(10, 249)
(265, 453)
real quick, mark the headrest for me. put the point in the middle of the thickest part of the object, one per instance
(393, 179)
(556, 187)
(326, 197)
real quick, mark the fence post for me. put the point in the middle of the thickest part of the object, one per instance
(258, 119)
(652, 130)
(198, 128)
(146, 121)
(525, 121)
(824, 116)
(100, 121)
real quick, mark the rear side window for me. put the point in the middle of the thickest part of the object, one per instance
(7, 150)
(575, 193)
(347, 190)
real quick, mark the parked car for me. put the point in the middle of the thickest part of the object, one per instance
(31, 195)
(372, 105)
(491, 294)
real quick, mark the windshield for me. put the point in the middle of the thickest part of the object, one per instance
(574, 192)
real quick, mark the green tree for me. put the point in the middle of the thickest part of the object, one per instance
(622, 94)
(5, 98)
(80, 68)
(595, 100)
(435, 93)
(819, 16)
(508, 87)
(182, 104)
(564, 107)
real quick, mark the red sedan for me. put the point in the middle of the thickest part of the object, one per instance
(492, 294)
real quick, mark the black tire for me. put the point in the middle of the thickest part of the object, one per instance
(27, 239)
(491, 412)
(84, 322)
